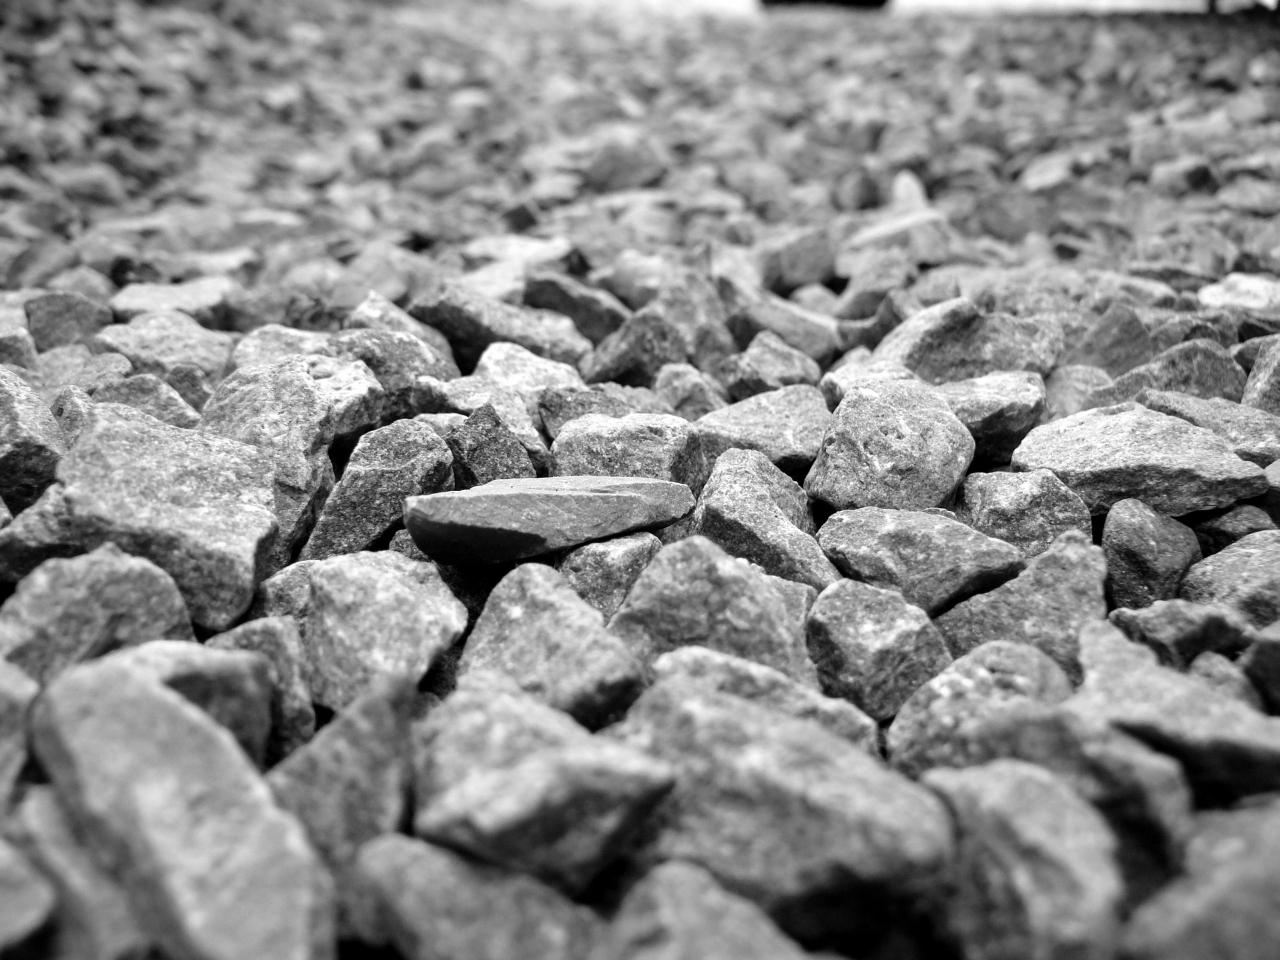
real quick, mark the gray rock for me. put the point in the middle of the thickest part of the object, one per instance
(1197, 368)
(1252, 434)
(39, 533)
(285, 594)
(536, 630)
(998, 410)
(689, 303)
(755, 511)
(1117, 342)
(1245, 576)
(274, 342)
(1035, 873)
(1260, 664)
(769, 363)
(1226, 678)
(813, 334)
(1127, 451)
(692, 592)
(71, 407)
(890, 444)
(188, 379)
(483, 449)
(17, 691)
(512, 366)
(356, 400)
(74, 366)
(1068, 388)
(603, 573)
(57, 319)
(1216, 530)
(558, 406)
(376, 312)
(690, 392)
(1262, 391)
(177, 814)
(501, 776)
(871, 647)
(29, 901)
(31, 443)
(1147, 554)
(437, 905)
(853, 370)
(467, 394)
(66, 611)
(635, 352)
(441, 423)
(934, 561)
(792, 256)
(402, 459)
(205, 299)
(151, 395)
(786, 425)
(765, 687)
(372, 615)
(654, 445)
(397, 360)
(596, 313)
(1060, 591)
(515, 519)
(1180, 631)
(157, 342)
(1029, 510)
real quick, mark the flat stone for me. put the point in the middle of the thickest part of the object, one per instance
(435, 903)
(29, 901)
(402, 459)
(514, 519)
(205, 300)
(768, 363)
(1125, 451)
(372, 615)
(502, 776)
(654, 445)
(1198, 368)
(159, 342)
(1117, 342)
(66, 611)
(56, 319)
(536, 630)
(1147, 554)
(595, 312)
(31, 443)
(1262, 390)
(692, 592)
(179, 814)
(1245, 576)
(603, 573)
(1060, 591)
(890, 444)
(1029, 510)
(935, 562)
(1252, 434)
(397, 360)
(274, 342)
(1180, 631)
(151, 395)
(786, 425)
(998, 410)
(1068, 389)
(1035, 871)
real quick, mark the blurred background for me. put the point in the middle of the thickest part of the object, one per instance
(911, 7)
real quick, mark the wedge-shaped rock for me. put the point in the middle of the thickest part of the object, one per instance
(171, 805)
(396, 359)
(1245, 576)
(502, 776)
(1046, 605)
(693, 592)
(998, 409)
(1147, 554)
(17, 691)
(933, 561)
(514, 519)
(161, 342)
(755, 511)
(536, 630)
(466, 395)
(1029, 510)
(29, 901)
(1114, 453)
(603, 573)
(786, 425)
(655, 445)
(1197, 368)
(31, 443)
(371, 615)
(596, 313)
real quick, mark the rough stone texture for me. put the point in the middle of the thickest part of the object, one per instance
(1245, 576)
(285, 594)
(768, 363)
(205, 299)
(1060, 591)
(1147, 554)
(857, 368)
(596, 313)
(1179, 631)
(635, 352)
(654, 445)
(515, 519)
(272, 343)
(536, 630)
(1260, 664)
(692, 592)
(397, 360)
(355, 397)
(159, 342)
(17, 691)
(436, 905)
(66, 611)
(1117, 342)
(1029, 510)
(29, 901)
(603, 573)
(1262, 391)
(765, 687)
(151, 395)
(1035, 873)
(1068, 387)
(170, 804)
(1127, 451)
(501, 776)
(483, 449)
(753, 510)
(372, 615)
(890, 444)
(934, 561)
(402, 459)
(813, 334)
(57, 319)
(1226, 678)
(998, 410)
(376, 312)
(689, 391)
(1196, 368)
(786, 425)
(31, 443)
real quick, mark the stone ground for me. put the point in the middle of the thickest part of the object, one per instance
(487, 483)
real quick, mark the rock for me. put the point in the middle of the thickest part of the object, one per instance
(558, 406)
(402, 459)
(158, 342)
(39, 533)
(753, 510)
(1226, 678)
(1218, 529)
(769, 363)
(58, 319)
(871, 647)
(692, 592)
(17, 691)
(998, 410)
(935, 562)
(205, 300)
(1249, 291)
(1260, 665)
(678, 909)
(596, 313)
(653, 445)
(763, 686)
(1035, 871)
(850, 373)
(1245, 576)
(151, 395)
(188, 379)
(179, 814)
(1147, 554)
(512, 366)
(515, 519)
(31, 443)
(635, 352)
(1029, 510)
(285, 594)
(397, 360)
(603, 573)
(1262, 391)
(792, 257)
(536, 630)
(273, 342)
(1128, 451)
(29, 901)
(1069, 387)
(1180, 631)
(66, 611)
(1197, 368)
(507, 779)
(376, 312)
(436, 905)
(74, 366)
(1116, 342)
(482, 450)
(441, 423)
(1046, 605)
(813, 334)
(372, 615)
(786, 425)
(467, 394)
(892, 444)
(1253, 435)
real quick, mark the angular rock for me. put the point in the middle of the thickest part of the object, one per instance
(484, 450)
(786, 425)
(205, 299)
(1252, 434)
(635, 352)
(1226, 678)
(64, 367)
(31, 443)
(1068, 388)
(653, 445)
(998, 410)
(285, 594)
(1147, 554)
(1117, 342)
(58, 319)
(1198, 368)
(158, 342)
(1216, 530)
(515, 519)
(397, 360)
(512, 366)
(769, 363)
(603, 573)
(596, 313)
(1262, 391)
(1115, 453)
(1029, 510)
(1180, 631)
(151, 395)
(39, 533)
(1245, 576)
